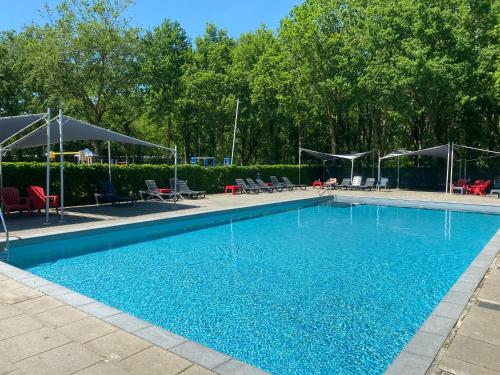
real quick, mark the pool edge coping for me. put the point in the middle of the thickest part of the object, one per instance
(419, 353)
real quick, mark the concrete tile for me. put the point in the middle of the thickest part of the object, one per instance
(200, 354)
(61, 316)
(6, 366)
(54, 290)
(459, 298)
(425, 344)
(160, 337)
(476, 327)
(74, 299)
(65, 359)
(155, 361)
(99, 310)
(196, 370)
(34, 281)
(86, 330)
(6, 311)
(17, 274)
(9, 284)
(235, 367)
(3, 277)
(38, 305)
(456, 366)
(19, 294)
(103, 368)
(448, 310)
(438, 325)
(117, 345)
(31, 343)
(490, 292)
(475, 352)
(465, 286)
(409, 364)
(127, 322)
(17, 325)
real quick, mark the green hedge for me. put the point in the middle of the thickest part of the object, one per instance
(82, 181)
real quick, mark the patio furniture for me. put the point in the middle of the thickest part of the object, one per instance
(153, 192)
(263, 187)
(289, 183)
(267, 185)
(107, 194)
(317, 184)
(184, 190)
(481, 189)
(36, 195)
(245, 188)
(233, 188)
(496, 187)
(460, 187)
(356, 183)
(369, 184)
(345, 184)
(470, 188)
(276, 184)
(383, 184)
(12, 201)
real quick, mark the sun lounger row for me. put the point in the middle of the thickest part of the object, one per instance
(248, 185)
(357, 184)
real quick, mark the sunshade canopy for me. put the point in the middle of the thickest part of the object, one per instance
(325, 157)
(12, 125)
(75, 130)
(437, 151)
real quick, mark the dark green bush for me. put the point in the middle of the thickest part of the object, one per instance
(82, 181)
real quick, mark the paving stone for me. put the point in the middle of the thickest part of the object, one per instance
(54, 290)
(17, 325)
(31, 343)
(65, 359)
(74, 299)
(160, 337)
(6, 366)
(409, 364)
(103, 368)
(20, 294)
(448, 310)
(490, 292)
(61, 316)
(456, 366)
(200, 354)
(465, 286)
(86, 330)
(438, 325)
(127, 322)
(196, 370)
(475, 352)
(6, 311)
(34, 281)
(426, 344)
(9, 284)
(17, 274)
(459, 298)
(480, 328)
(154, 361)
(38, 305)
(117, 345)
(99, 310)
(235, 367)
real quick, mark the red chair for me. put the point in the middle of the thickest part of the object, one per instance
(13, 202)
(476, 184)
(36, 196)
(481, 189)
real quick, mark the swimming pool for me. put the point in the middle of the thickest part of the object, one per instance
(321, 289)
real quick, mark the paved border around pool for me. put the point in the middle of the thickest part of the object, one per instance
(418, 355)
(196, 353)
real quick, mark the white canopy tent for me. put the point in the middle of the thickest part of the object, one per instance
(442, 151)
(65, 129)
(326, 157)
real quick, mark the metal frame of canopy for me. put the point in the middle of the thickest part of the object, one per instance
(326, 157)
(436, 151)
(497, 153)
(92, 130)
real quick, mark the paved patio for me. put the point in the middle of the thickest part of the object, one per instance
(47, 329)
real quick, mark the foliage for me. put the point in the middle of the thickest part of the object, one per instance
(81, 181)
(337, 76)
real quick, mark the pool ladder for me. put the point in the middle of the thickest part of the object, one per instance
(4, 250)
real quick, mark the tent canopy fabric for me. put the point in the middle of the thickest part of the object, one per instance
(75, 130)
(325, 157)
(12, 125)
(437, 151)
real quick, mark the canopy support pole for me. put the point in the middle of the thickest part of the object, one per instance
(398, 173)
(352, 169)
(61, 162)
(447, 170)
(300, 153)
(451, 167)
(175, 174)
(1, 176)
(378, 178)
(47, 172)
(109, 161)
(234, 132)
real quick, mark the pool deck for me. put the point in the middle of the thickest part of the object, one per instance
(47, 329)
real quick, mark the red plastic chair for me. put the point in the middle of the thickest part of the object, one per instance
(36, 196)
(13, 202)
(471, 188)
(481, 189)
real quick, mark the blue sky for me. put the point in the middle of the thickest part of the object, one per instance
(236, 16)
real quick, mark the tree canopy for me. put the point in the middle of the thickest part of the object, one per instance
(336, 76)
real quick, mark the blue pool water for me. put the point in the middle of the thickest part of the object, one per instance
(323, 289)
